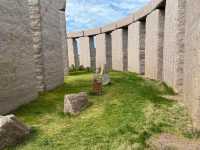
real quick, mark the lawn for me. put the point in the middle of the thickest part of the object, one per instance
(129, 112)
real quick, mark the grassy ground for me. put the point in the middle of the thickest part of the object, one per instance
(125, 117)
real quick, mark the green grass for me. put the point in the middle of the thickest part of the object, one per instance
(129, 112)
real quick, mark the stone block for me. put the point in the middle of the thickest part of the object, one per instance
(85, 59)
(173, 61)
(12, 131)
(74, 103)
(154, 45)
(103, 50)
(119, 50)
(136, 47)
(75, 34)
(52, 43)
(18, 83)
(192, 61)
(92, 32)
(92, 52)
(73, 52)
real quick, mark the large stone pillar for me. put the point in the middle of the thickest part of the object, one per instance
(104, 50)
(18, 84)
(52, 43)
(192, 61)
(85, 59)
(173, 53)
(119, 50)
(73, 52)
(92, 52)
(136, 47)
(154, 45)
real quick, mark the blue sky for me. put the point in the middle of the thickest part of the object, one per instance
(85, 14)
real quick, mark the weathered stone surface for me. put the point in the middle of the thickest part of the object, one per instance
(109, 28)
(85, 59)
(35, 21)
(192, 61)
(120, 50)
(73, 52)
(64, 41)
(104, 50)
(52, 44)
(92, 52)
(74, 103)
(92, 32)
(17, 69)
(12, 131)
(154, 45)
(171, 142)
(136, 47)
(173, 52)
(75, 34)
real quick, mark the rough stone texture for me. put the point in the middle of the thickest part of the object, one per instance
(17, 69)
(75, 34)
(125, 21)
(12, 131)
(52, 43)
(74, 103)
(85, 59)
(136, 47)
(104, 50)
(35, 19)
(192, 61)
(109, 28)
(171, 142)
(64, 41)
(73, 53)
(154, 45)
(92, 52)
(173, 53)
(92, 32)
(119, 50)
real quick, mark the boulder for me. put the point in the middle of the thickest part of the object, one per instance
(12, 131)
(74, 103)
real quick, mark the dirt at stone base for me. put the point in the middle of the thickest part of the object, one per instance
(171, 142)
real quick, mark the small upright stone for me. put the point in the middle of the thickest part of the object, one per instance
(12, 131)
(74, 103)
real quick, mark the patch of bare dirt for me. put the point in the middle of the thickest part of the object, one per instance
(172, 142)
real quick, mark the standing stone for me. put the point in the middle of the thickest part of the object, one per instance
(12, 131)
(104, 50)
(173, 61)
(74, 103)
(119, 50)
(52, 44)
(18, 83)
(92, 52)
(154, 45)
(192, 61)
(136, 47)
(85, 59)
(73, 53)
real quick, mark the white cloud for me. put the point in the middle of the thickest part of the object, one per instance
(84, 14)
